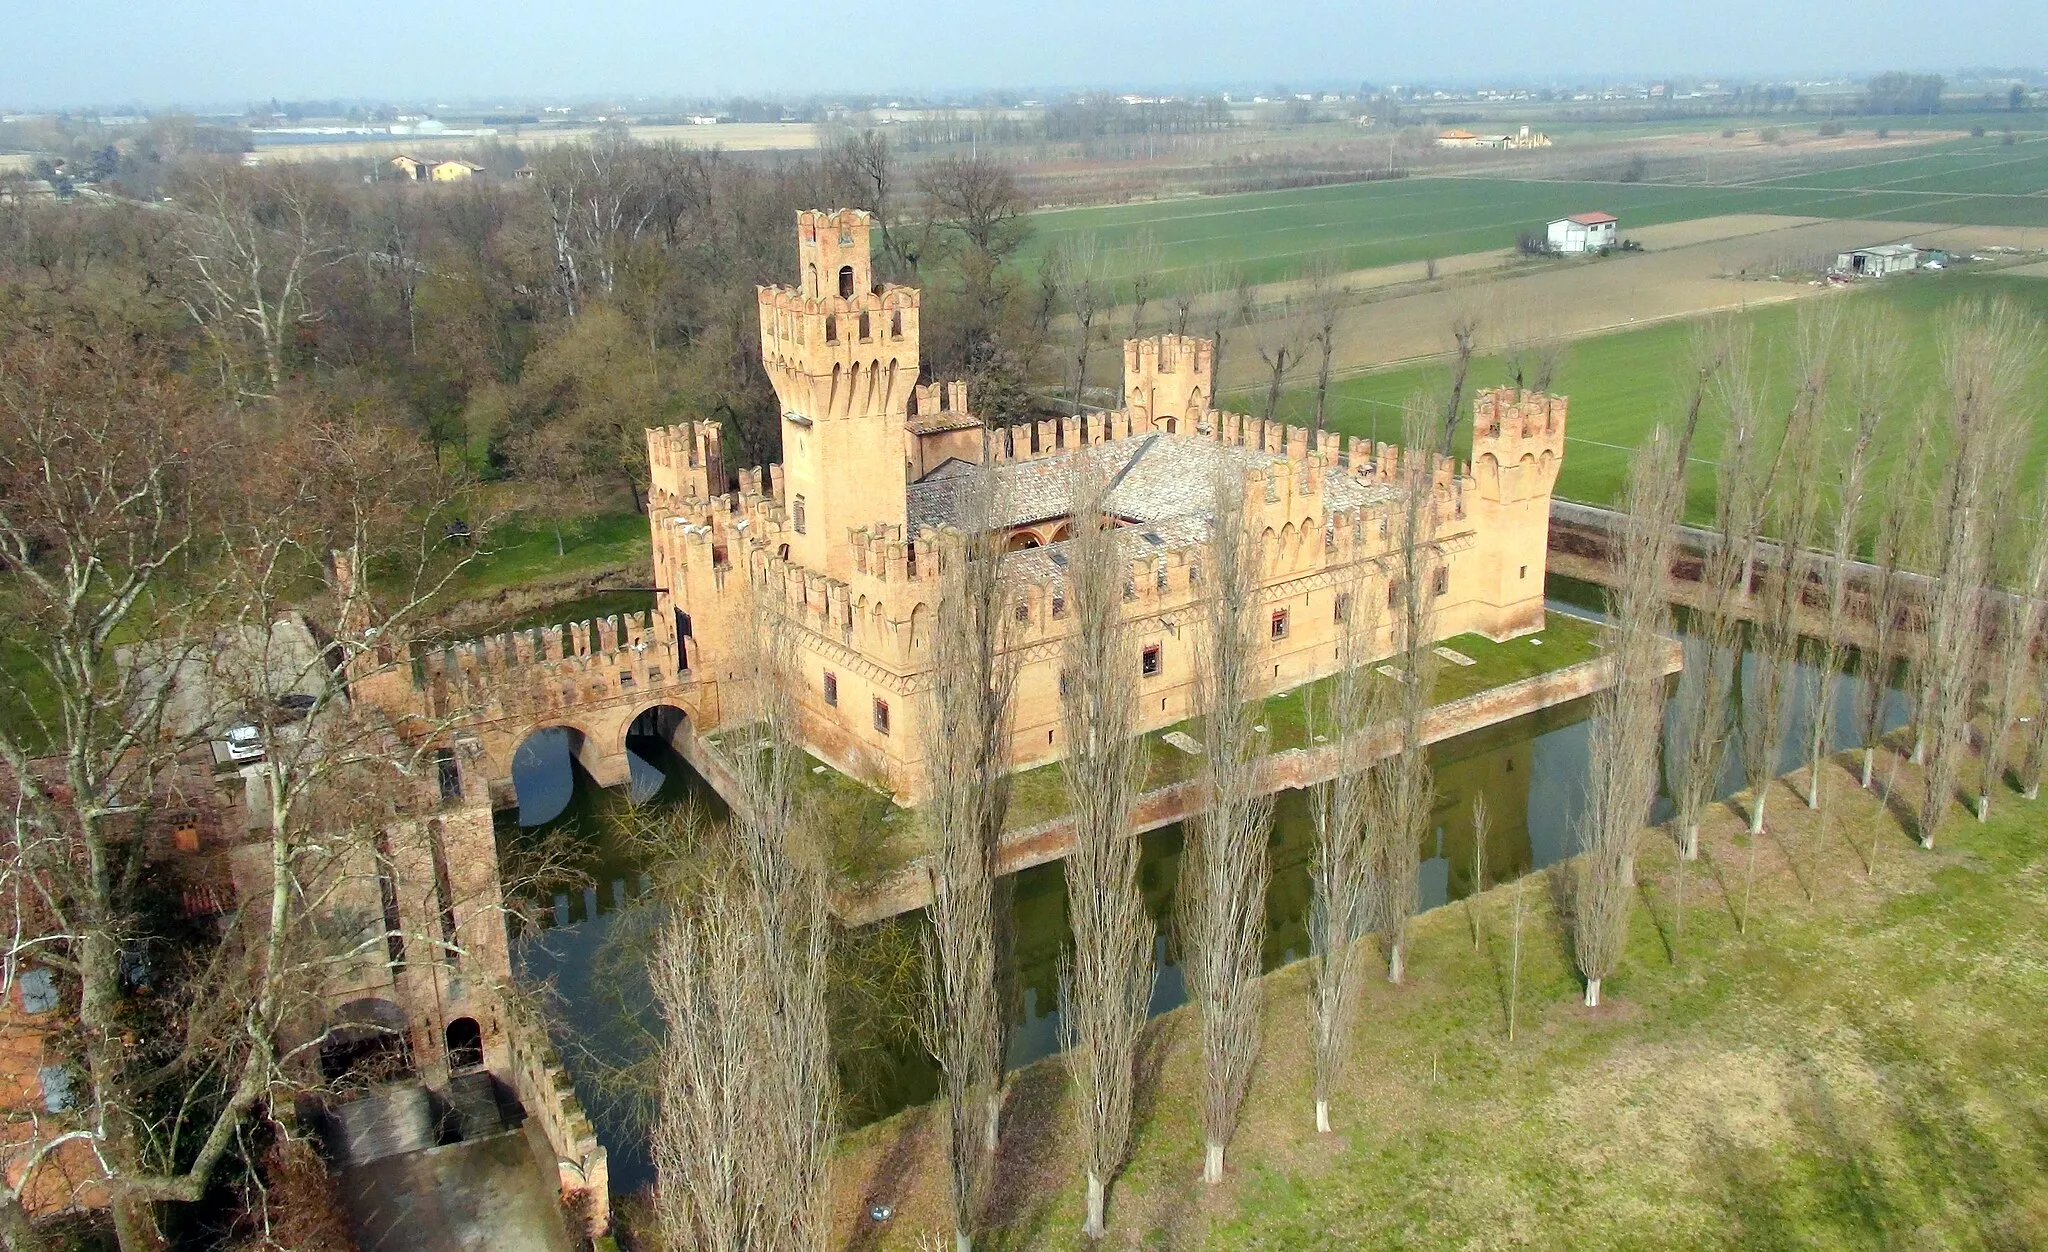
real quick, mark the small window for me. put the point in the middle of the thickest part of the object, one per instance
(1023, 610)
(832, 689)
(1159, 575)
(896, 324)
(831, 330)
(1343, 606)
(881, 717)
(1525, 572)
(1440, 581)
(450, 774)
(866, 330)
(1279, 626)
(1063, 682)
(845, 278)
(796, 513)
(1130, 589)
(1150, 662)
(1330, 535)
(1059, 604)
(1393, 592)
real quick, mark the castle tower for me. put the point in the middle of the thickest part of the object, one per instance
(1167, 382)
(1517, 446)
(842, 353)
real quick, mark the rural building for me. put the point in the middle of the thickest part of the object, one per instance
(1457, 139)
(876, 466)
(412, 167)
(1584, 232)
(454, 171)
(1890, 258)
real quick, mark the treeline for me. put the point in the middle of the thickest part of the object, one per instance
(531, 327)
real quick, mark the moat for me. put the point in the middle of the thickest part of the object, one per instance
(591, 944)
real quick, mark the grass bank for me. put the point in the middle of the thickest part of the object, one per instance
(1861, 1066)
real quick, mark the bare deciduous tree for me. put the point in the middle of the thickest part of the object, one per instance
(1987, 353)
(1224, 871)
(1628, 715)
(1325, 301)
(1108, 983)
(1892, 602)
(2018, 618)
(965, 736)
(1344, 810)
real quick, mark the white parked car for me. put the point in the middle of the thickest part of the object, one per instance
(245, 744)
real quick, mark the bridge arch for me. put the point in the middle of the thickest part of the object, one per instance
(550, 763)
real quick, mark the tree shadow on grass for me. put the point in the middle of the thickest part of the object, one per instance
(893, 1171)
(1035, 1151)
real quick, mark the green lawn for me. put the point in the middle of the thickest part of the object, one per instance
(1278, 234)
(1861, 1067)
(1622, 384)
(520, 551)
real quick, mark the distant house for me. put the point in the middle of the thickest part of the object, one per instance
(1458, 139)
(524, 171)
(412, 167)
(1891, 258)
(454, 171)
(1584, 232)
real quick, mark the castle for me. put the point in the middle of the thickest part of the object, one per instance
(844, 531)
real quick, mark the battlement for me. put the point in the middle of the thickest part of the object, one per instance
(1508, 413)
(687, 461)
(834, 255)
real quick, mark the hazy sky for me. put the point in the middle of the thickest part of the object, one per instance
(74, 52)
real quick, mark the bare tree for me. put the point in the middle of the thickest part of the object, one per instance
(152, 557)
(1231, 301)
(1628, 715)
(1785, 563)
(253, 243)
(2018, 618)
(965, 732)
(1142, 257)
(1224, 871)
(1279, 340)
(1078, 266)
(1343, 810)
(1700, 731)
(1407, 783)
(744, 1134)
(1892, 604)
(1872, 349)
(1987, 354)
(1325, 301)
(1107, 985)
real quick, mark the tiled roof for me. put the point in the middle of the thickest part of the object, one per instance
(1157, 478)
(1592, 219)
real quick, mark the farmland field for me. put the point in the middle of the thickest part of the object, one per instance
(1275, 235)
(1624, 383)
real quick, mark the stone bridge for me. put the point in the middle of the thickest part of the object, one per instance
(594, 679)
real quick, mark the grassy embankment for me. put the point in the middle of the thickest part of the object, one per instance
(1861, 1067)
(1276, 235)
(1624, 383)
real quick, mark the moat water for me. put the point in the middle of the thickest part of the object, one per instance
(587, 955)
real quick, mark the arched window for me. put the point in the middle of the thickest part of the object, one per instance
(845, 281)
(811, 283)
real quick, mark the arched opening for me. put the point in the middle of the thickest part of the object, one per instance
(1064, 533)
(1171, 426)
(366, 1043)
(811, 282)
(845, 282)
(545, 773)
(465, 1045)
(1022, 541)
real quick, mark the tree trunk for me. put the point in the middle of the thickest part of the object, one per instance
(1095, 1227)
(1592, 993)
(560, 551)
(1691, 849)
(1756, 812)
(1983, 806)
(962, 1241)
(1322, 1117)
(1813, 787)
(1212, 1163)
(135, 1225)
(1397, 963)
(1869, 756)
(994, 1133)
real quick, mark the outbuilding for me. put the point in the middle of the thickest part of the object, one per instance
(1890, 258)
(1584, 232)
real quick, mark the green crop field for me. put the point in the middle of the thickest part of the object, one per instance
(1276, 235)
(1623, 384)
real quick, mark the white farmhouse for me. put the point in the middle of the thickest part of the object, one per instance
(1584, 232)
(1891, 258)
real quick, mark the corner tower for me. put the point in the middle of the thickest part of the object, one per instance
(842, 353)
(1517, 446)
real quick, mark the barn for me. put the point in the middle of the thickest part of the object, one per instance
(1584, 232)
